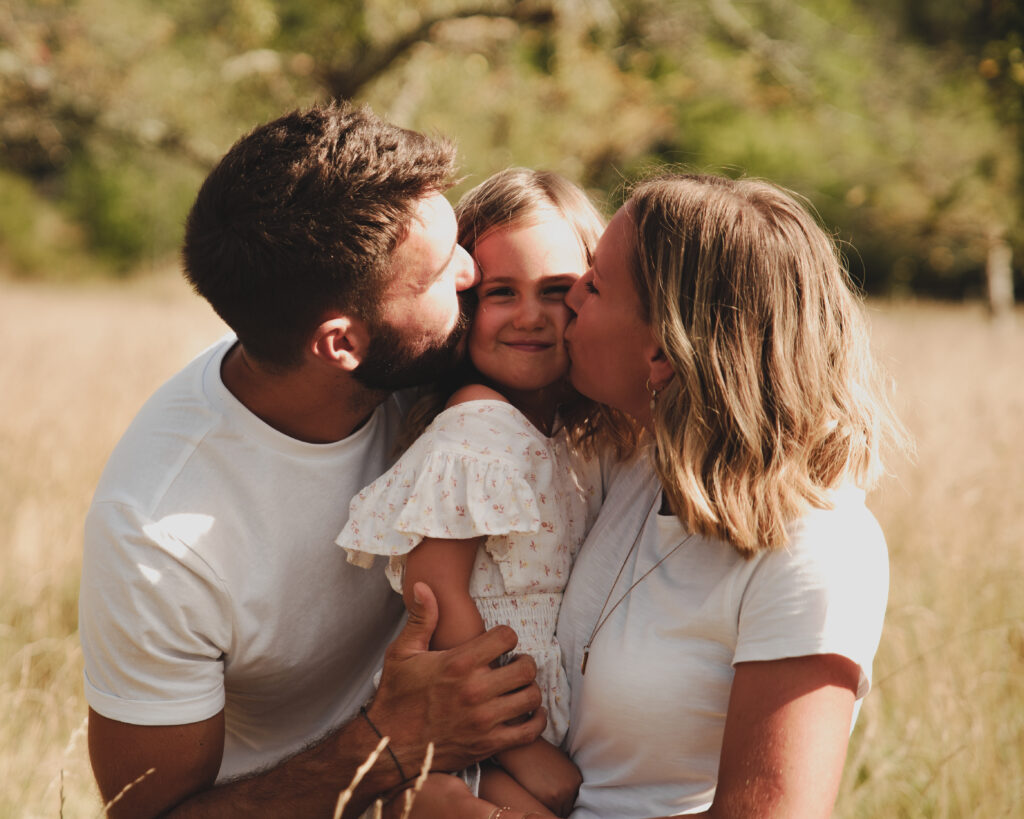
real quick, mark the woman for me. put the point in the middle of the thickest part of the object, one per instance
(721, 619)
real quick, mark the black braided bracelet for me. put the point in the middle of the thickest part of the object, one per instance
(364, 715)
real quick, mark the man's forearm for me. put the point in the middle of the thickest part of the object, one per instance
(306, 784)
(455, 698)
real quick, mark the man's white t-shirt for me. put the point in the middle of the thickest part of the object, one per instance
(647, 718)
(211, 580)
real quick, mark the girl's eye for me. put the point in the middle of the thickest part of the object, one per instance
(589, 287)
(558, 291)
(498, 292)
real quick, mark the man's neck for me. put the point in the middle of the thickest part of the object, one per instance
(311, 402)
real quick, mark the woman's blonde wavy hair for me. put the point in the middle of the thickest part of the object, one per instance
(521, 197)
(776, 398)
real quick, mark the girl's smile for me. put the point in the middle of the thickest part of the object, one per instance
(529, 346)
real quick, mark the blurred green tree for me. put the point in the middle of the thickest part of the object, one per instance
(887, 116)
(986, 36)
(898, 143)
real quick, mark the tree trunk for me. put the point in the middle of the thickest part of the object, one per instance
(999, 276)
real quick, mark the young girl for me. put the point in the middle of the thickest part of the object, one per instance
(490, 504)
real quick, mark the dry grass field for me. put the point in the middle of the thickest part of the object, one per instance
(941, 735)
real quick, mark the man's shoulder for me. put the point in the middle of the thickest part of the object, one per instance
(163, 434)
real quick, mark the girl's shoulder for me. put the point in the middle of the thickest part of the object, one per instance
(477, 411)
(475, 392)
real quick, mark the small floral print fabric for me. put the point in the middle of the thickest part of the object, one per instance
(481, 468)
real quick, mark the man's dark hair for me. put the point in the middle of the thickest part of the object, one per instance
(301, 217)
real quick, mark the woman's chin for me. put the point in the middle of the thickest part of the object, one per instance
(581, 388)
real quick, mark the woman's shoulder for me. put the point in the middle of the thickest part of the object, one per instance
(824, 592)
(846, 524)
(840, 547)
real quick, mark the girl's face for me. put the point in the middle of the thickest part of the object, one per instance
(611, 346)
(516, 339)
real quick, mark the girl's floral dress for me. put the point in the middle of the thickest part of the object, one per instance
(481, 468)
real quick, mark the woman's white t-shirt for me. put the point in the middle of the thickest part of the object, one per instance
(647, 718)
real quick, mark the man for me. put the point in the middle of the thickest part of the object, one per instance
(228, 645)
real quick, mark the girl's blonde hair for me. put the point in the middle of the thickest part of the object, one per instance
(519, 197)
(776, 398)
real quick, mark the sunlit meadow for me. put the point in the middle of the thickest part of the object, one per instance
(941, 735)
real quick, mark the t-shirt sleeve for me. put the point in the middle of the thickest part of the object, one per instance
(824, 594)
(153, 619)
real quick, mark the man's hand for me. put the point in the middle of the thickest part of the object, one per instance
(455, 698)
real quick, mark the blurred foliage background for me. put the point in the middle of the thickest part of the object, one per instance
(901, 120)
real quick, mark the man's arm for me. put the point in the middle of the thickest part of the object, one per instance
(184, 759)
(182, 763)
(453, 698)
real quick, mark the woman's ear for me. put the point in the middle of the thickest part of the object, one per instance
(341, 341)
(661, 372)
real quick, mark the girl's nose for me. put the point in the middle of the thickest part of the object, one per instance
(529, 315)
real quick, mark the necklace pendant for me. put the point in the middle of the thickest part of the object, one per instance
(586, 656)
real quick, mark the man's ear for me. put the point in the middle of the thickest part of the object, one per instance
(661, 372)
(341, 341)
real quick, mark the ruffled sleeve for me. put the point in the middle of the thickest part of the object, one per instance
(471, 473)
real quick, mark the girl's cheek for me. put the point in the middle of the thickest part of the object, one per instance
(561, 315)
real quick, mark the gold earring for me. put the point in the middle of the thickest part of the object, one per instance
(653, 392)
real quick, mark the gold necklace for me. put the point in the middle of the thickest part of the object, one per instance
(602, 618)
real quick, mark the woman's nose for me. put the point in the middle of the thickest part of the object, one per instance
(574, 298)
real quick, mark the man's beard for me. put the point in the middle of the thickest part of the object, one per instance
(391, 364)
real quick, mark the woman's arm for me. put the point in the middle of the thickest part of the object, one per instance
(786, 733)
(446, 565)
